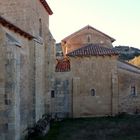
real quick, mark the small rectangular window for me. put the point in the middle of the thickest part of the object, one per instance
(7, 100)
(6, 126)
(52, 94)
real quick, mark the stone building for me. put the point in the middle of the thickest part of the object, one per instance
(85, 80)
(92, 79)
(27, 59)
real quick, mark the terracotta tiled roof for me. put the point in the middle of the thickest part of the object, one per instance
(63, 65)
(16, 29)
(93, 50)
(46, 6)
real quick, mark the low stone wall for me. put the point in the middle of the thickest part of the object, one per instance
(128, 100)
(61, 98)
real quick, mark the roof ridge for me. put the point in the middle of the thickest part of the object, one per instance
(89, 26)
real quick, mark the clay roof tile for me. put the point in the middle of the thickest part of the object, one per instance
(62, 65)
(93, 50)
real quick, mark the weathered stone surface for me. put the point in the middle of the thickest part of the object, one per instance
(84, 36)
(27, 66)
(29, 87)
(96, 75)
(101, 85)
(61, 102)
(127, 101)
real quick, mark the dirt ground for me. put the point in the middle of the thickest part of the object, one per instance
(123, 127)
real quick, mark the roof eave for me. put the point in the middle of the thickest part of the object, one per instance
(129, 64)
(113, 40)
(47, 7)
(88, 26)
(16, 29)
(69, 55)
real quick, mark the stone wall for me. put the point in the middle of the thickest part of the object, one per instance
(26, 14)
(17, 84)
(32, 17)
(128, 100)
(84, 37)
(27, 67)
(87, 74)
(3, 118)
(39, 80)
(94, 86)
(23, 83)
(50, 61)
(61, 105)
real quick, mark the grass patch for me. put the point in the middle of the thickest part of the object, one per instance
(105, 128)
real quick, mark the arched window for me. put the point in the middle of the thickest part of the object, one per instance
(133, 90)
(92, 92)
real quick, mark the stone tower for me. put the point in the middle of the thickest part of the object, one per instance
(33, 17)
(36, 64)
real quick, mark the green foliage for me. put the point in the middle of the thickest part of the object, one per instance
(126, 52)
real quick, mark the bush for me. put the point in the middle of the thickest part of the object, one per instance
(38, 128)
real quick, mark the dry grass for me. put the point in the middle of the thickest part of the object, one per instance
(106, 128)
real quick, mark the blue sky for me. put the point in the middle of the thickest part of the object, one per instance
(119, 19)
